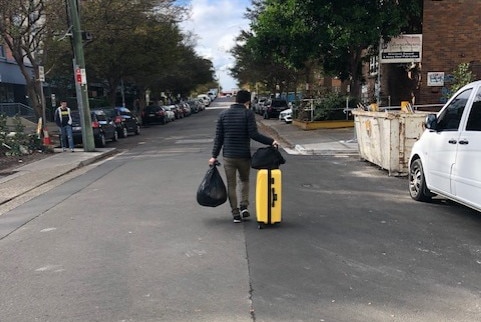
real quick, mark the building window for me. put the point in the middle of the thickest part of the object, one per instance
(2, 52)
(373, 65)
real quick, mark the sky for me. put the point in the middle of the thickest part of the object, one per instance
(216, 24)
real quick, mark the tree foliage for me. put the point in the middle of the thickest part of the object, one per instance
(23, 28)
(332, 36)
(462, 75)
(139, 42)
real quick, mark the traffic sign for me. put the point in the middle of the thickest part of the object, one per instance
(81, 76)
(78, 76)
(41, 74)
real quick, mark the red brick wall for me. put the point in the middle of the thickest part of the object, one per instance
(451, 36)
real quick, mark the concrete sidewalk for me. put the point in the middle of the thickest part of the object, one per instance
(340, 141)
(314, 142)
(33, 175)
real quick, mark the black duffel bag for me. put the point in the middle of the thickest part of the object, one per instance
(212, 191)
(267, 158)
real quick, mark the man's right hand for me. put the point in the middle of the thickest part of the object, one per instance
(212, 161)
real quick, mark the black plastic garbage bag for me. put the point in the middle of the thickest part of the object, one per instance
(212, 191)
(267, 158)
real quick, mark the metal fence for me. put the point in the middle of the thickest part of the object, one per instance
(22, 110)
(308, 110)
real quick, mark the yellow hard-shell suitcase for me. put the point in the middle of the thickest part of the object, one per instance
(268, 197)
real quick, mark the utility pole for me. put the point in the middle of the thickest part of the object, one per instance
(80, 77)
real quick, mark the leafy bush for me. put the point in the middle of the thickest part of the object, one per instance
(462, 76)
(16, 142)
(331, 107)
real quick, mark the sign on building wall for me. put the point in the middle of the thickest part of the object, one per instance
(402, 49)
(435, 79)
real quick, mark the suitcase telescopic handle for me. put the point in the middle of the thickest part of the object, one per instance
(274, 197)
(272, 191)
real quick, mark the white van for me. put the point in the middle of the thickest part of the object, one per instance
(446, 160)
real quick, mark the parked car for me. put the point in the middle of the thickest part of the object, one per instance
(102, 126)
(445, 160)
(200, 103)
(186, 110)
(286, 116)
(273, 107)
(153, 114)
(178, 112)
(205, 98)
(170, 111)
(212, 95)
(195, 106)
(124, 120)
(258, 107)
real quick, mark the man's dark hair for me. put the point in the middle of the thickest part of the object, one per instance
(243, 96)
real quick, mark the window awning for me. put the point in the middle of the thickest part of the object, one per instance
(10, 74)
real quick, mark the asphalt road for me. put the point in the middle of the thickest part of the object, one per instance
(126, 241)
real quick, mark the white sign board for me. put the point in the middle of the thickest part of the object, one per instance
(41, 74)
(435, 79)
(402, 49)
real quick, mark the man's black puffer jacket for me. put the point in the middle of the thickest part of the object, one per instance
(236, 126)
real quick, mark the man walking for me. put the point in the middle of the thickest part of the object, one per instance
(63, 119)
(236, 126)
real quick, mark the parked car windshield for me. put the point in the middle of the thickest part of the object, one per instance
(109, 111)
(123, 110)
(101, 116)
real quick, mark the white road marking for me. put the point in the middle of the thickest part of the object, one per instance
(56, 268)
(48, 229)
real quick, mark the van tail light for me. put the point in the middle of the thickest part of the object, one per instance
(95, 124)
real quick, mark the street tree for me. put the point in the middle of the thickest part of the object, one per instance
(23, 28)
(187, 72)
(137, 43)
(132, 40)
(258, 63)
(333, 36)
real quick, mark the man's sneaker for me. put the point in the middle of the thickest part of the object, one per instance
(237, 219)
(245, 213)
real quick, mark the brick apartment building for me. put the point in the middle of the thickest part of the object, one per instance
(450, 36)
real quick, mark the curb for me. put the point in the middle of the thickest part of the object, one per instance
(104, 154)
(328, 151)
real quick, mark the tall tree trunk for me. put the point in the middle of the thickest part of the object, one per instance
(112, 97)
(33, 89)
(355, 62)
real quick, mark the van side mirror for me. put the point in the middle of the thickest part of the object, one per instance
(431, 122)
